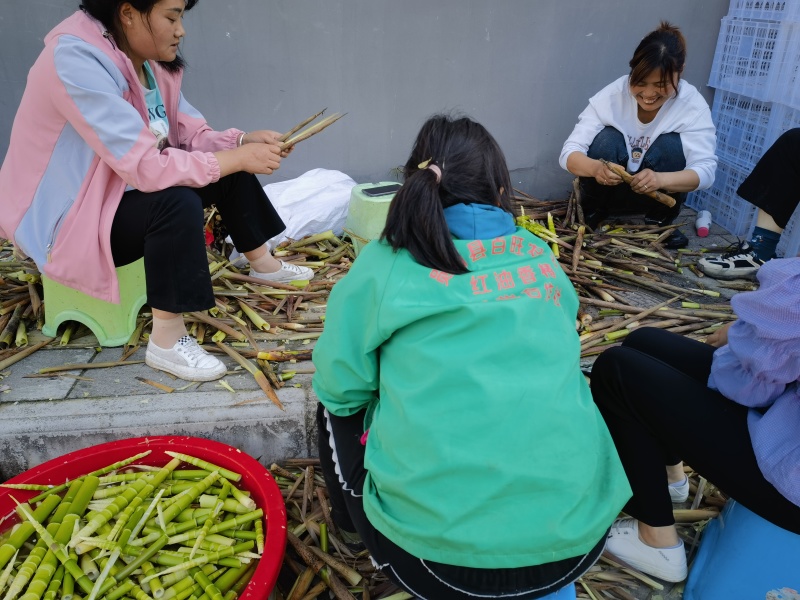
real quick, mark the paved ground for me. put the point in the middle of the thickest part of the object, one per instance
(44, 417)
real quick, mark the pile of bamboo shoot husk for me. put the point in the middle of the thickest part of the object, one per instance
(606, 265)
(247, 311)
(317, 561)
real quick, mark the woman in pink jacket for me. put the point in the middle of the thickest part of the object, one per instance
(108, 163)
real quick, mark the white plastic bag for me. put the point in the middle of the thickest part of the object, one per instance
(312, 203)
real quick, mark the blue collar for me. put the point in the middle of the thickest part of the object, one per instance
(478, 221)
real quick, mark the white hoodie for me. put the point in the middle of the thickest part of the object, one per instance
(687, 114)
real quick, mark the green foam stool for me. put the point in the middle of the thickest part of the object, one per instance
(111, 323)
(366, 216)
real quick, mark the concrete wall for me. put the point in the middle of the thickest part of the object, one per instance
(524, 68)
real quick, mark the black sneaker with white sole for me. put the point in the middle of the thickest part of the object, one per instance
(739, 263)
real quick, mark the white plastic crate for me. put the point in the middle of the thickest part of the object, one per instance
(743, 128)
(783, 118)
(727, 209)
(750, 56)
(788, 90)
(768, 10)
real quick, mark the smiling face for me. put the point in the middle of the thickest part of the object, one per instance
(155, 35)
(651, 93)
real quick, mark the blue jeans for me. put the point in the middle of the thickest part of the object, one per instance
(664, 155)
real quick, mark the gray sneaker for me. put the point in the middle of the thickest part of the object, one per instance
(740, 263)
(288, 272)
(186, 359)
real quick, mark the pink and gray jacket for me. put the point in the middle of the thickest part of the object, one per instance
(79, 138)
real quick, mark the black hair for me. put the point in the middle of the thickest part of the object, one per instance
(107, 12)
(473, 171)
(662, 50)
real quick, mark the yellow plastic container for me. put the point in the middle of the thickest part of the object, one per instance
(366, 215)
(111, 323)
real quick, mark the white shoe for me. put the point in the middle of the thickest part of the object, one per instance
(739, 263)
(287, 272)
(623, 543)
(186, 359)
(679, 491)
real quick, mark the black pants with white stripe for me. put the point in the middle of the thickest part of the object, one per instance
(341, 456)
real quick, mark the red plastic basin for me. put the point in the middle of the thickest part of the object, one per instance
(255, 478)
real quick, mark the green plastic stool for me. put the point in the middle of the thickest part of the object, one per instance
(366, 216)
(111, 323)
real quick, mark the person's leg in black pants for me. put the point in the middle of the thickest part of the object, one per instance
(775, 173)
(246, 211)
(650, 391)
(166, 227)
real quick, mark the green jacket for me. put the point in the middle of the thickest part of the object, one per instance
(485, 449)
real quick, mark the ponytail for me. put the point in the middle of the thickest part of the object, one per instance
(416, 222)
(453, 161)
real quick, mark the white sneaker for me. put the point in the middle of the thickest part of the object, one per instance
(679, 491)
(623, 543)
(739, 263)
(287, 272)
(186, 359)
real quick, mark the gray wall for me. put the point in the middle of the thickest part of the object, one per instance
(524, 68)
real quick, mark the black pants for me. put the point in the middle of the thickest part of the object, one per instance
(652, 392)
(664, 155)
(166, 228)
(340, 449)
(771, 185)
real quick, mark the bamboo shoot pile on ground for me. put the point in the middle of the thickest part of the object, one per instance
(247, 311)
(318, 560)
(613, 267)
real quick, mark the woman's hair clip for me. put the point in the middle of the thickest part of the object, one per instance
(428, 165)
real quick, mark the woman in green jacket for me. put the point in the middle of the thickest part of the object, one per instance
(458, 437)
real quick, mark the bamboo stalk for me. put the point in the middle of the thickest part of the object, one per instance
(300, 125)
(85, 366)
(637, 317)
(259, 376)
(686, 515)
(627, 178)
(15, 358)
(219, 325)
(254, 317)
(308, 557)
(311, 131)
(8, 334)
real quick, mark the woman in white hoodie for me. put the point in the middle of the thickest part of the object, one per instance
(654, 124)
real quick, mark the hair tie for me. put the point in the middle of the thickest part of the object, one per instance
(429, 165)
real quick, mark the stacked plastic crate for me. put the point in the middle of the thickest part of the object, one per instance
(756, 76)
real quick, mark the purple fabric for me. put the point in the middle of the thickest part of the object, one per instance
(760, 368)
